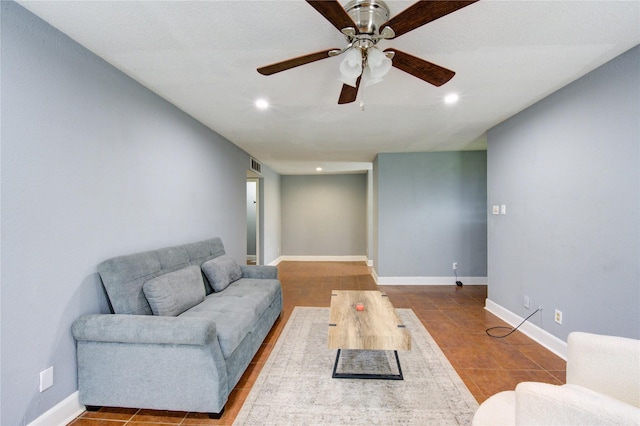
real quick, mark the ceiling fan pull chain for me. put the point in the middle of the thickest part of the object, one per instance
(362, 97)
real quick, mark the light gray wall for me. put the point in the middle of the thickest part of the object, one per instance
(93, 165)
(568, 169)
(431, 212)
(324, 215)
(374, 254)
(270, 225)
(370, 237)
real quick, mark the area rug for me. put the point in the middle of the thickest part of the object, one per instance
(295, 385)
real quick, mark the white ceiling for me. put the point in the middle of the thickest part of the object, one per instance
(202, 56)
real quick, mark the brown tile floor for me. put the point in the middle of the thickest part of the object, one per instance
(454, 316)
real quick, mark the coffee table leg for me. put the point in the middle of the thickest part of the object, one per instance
(335, 366)
(337, 375)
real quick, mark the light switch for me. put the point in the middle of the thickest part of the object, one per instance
(503, 209)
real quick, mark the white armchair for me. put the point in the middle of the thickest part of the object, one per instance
(603, 388)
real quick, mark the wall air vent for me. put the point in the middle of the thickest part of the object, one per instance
(255, 165)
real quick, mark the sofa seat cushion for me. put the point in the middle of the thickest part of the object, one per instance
(546, 404)
(236, 309)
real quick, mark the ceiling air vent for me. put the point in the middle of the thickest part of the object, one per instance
(255, 165)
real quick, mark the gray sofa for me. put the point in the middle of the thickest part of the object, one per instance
(186, 323)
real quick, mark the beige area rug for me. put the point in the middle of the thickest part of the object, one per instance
(295, 385)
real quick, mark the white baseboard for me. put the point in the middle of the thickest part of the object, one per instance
(427, 280)
(325, 258)
(321, 259)
(542, 337)
(62, 413)
(275, 262)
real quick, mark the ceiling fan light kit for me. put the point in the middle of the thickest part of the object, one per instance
(371, 64)
(378, 65)
(364, 23)
(351, 67)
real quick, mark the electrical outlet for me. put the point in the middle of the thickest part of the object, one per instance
(455, 266)
(46, 379)
(558, 317)
(526, 302)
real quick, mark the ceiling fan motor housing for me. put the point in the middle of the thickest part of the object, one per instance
(368, 15)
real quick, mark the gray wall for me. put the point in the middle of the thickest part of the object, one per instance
(93, 165)
(270, 225)
(568, 169)
(324, 215)
(430, 211)
(374, 246)
(370, 229)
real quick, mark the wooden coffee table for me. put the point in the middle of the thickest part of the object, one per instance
(377, 327)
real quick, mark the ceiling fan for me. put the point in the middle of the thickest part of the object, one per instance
(364, 23)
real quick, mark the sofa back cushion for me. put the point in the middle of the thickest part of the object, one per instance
(606, 364)
(123, 277)
(173, 293)
(221, 271)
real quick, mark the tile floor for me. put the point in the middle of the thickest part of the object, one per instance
(454, 316)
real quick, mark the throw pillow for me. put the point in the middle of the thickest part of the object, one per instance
(173, 293)
(221, 271)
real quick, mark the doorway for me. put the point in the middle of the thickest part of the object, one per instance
(253, 231)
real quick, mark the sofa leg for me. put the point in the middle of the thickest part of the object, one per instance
(216, 415)
(93, 407)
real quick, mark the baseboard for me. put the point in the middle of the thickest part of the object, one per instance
(321, 259)
(539, 335)
(275, 262)
(358, 258)
(62, 413)
(427, 280)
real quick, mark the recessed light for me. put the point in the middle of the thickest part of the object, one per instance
(318, 169)
(262, 104)
(451, 98)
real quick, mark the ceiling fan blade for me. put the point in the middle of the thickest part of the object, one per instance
(334, 13)
(423, 12)
(427, 71)
(294, 62)
(348, 93)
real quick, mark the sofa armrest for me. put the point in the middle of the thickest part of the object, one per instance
(259, 271)
(497, 410)
(605, 364)
(543, 403)
(144, 329)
